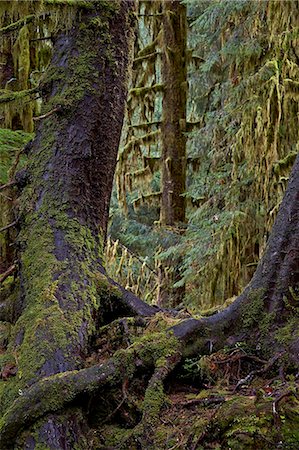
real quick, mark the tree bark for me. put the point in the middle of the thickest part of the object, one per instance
(64, 290)
(174, 78)
(64, 209)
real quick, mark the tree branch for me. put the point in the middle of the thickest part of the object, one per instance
(49, 113)
(41, 38)
(8, 226)
(7, 96)
(18, 24)
(139, 59)
(7, 185)
(141, 91)
(8, 272)
(45, 396)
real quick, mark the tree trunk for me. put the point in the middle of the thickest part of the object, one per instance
(269, 302)
(64, 210)
(174, 78)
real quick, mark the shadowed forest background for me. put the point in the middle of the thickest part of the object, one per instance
(149, 237)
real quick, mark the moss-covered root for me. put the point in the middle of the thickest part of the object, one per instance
(52, 394)
(154, 399)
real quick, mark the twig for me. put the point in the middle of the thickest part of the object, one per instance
(8, 226)
(44, 116)
(253, 373)
(7, 185)
(41, 38)
(7, 273)
(119, 405)
(213, 400)
(6, 196)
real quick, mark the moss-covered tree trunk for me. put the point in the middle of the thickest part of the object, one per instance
(174, 77)
(64, 211)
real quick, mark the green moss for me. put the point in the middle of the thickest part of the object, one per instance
(18, 24)
(105, 288)
(153, 401)
(77, 3)
(5, 329)
(114, 435)
(142, 91)
(80, 71)
(7, 96)
(284, 163)
(265, 323)
(253, 309)
(289, 332)
(289, 416)
(44, 326)
(10, 143)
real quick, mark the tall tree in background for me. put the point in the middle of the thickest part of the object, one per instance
(156, 124)
(174, 78)
(244, 99)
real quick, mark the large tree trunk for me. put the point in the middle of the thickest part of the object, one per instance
(64, 209)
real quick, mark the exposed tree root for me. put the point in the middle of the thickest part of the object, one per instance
(162, 351)
(129, 304)
(154, 398)
(53, 393)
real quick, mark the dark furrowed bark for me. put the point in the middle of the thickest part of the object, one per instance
(72, 172)
(64, 208)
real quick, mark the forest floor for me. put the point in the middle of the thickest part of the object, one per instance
(223, 410)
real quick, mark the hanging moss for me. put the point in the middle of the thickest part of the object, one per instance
(18, 24)
(247, 139)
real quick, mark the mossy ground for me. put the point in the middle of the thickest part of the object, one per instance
(243, 420)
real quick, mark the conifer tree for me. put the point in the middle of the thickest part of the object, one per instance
(84, 363)
(155, 138)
